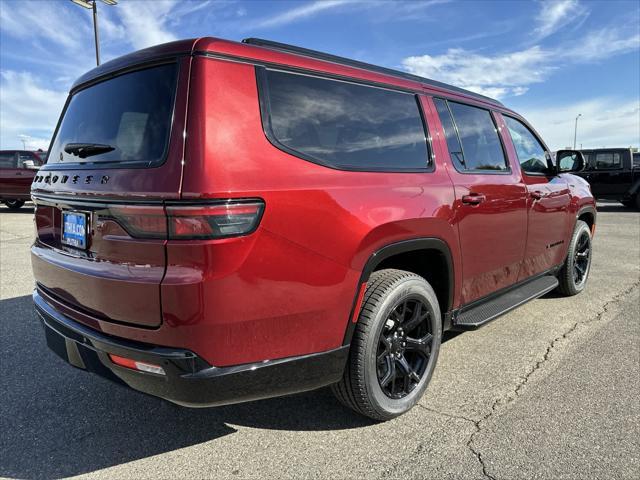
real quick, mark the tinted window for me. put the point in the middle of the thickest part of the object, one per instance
(608, 160)
(345, 125)
(453, 142)
(531, 153)
(481, 145)
(7, 160)
(131, 113)
(636, 159)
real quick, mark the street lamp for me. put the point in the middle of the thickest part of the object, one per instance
(575, 131)
(91, 4)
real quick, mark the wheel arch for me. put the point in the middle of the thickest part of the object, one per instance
(417, 256)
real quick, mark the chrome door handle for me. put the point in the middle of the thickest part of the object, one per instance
(536, 194)
(473, 199)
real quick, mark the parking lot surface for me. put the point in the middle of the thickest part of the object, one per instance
(551, 390)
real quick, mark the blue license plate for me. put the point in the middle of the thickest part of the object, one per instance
(74, 229)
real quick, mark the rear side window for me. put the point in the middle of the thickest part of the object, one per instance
(8, 160)
(636, 159)
(531, 154)
(608, 160)
(128, 116)
(343, 125)
(481, 147)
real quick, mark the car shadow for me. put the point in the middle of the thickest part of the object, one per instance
(615, 208)
(58, 421)
(27, 210)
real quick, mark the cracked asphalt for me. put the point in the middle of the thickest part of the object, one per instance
(551, 390)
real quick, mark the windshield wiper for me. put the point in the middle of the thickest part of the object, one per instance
(84, 150)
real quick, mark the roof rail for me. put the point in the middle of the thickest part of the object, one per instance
(362, 65)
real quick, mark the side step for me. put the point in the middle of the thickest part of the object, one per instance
(487, 310)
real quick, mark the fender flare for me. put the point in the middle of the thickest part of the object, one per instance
(404, 246)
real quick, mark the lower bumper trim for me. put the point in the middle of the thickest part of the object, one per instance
(189, 380)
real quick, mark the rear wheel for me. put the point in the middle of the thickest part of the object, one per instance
(394, 347)
(575, 271)
(14, 204)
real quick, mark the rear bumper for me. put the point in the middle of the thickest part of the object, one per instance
(189, 380)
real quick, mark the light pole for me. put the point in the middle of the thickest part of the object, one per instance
(91, 4)
(575, 131)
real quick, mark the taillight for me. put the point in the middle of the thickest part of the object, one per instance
(213, 221)
(183, 222)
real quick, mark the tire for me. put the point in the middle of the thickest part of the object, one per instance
(393, 299)
(14, 204)
(575, 271)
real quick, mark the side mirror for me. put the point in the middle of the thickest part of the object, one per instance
(570, 161)
(29, 164)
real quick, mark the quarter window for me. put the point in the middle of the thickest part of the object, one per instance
(531, 154)
(477, 138)
(343, 125)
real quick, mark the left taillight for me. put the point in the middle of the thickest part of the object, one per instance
(222, 219)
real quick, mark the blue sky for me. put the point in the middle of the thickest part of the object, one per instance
(549, 60)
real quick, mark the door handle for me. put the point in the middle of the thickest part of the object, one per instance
(473, 198)
(536, 194)
(18, 173)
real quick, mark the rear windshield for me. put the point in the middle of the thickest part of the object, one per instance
(126, 119)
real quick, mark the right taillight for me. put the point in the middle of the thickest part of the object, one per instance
(222, 219)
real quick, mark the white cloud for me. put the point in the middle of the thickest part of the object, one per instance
(605, 122)
(47, 20)
(556, 14)
(28, 108)
(298, 13)
(510, 74)
(145, 22)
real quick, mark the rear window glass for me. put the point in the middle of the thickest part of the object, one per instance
(120, 120)
(344, 125)
(636, 159)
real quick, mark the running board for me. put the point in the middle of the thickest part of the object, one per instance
(481, 313)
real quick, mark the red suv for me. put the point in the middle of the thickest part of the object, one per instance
(17, 170)
(220, 222)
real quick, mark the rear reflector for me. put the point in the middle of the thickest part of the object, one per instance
(222, 219)
(136, 365)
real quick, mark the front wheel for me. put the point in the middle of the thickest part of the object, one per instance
(394, 348)
(14, 204)
(575, 271)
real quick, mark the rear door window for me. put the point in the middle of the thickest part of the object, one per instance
(608, 160)
(125, 119)
(342, 124)
(8, 160)
(478, 147)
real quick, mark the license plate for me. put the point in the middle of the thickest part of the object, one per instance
(74, 229)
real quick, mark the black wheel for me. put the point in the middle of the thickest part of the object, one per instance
(14, 204)
(394, 347)
(575, 271)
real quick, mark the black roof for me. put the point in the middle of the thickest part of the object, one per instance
(363, 65)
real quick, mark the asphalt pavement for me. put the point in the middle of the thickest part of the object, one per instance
(549, 391)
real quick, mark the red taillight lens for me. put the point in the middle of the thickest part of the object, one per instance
(182, 222)
(136, 365)
(142, 221)
(213, 221)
